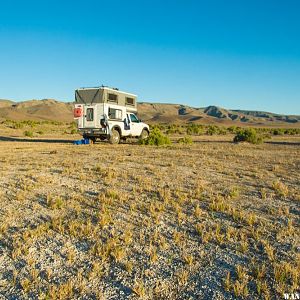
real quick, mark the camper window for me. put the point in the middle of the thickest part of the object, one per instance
(112, 97)
(90, 114)
(129, 101)
(115, 114)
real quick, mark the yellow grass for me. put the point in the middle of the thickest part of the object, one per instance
(132, 221)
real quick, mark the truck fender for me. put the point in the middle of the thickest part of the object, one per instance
(116, 127)
(147, 129)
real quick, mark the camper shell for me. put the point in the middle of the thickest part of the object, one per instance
(106, 95)
(108, 113)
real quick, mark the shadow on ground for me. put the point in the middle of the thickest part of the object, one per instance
(16, 139)
(283, 143)
(63, 141)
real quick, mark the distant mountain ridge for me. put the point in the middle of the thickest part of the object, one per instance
(50, 109)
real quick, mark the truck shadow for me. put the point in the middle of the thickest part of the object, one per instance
(283, 143)
(130, 141)
(33, 140)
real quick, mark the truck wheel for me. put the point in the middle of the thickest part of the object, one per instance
(114, 137)
(144, 134)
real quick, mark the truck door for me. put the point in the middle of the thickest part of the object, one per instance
(135, 126)
(89, 117)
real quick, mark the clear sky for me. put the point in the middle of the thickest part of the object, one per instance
(242, 54)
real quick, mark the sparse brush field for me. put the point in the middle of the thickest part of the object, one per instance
(208, 220)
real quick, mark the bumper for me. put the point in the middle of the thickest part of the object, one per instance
(92, 131)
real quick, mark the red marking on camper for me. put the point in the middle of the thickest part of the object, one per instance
(78, 112)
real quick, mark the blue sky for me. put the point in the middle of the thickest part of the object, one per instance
(234, 54)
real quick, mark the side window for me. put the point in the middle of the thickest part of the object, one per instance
(129, 101)
(90, 114)
(115, 114)
(112, 97)
(134, 119)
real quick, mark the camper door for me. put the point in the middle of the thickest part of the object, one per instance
(89, 116)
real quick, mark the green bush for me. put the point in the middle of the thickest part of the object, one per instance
(185, 140)
(156, 138)
(233, 129)
(28, 133)
(278, 131)
(213, 130)
(174, 129)
(194, 129)
(248, 135)
(292, 131)
(17, 125)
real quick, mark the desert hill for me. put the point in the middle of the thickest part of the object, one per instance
(50, 109)
(175, 113)
(46, 109)
(5, 103)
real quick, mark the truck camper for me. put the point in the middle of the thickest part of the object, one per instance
(108, 114)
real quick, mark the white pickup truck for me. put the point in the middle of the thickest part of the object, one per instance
(108, 114)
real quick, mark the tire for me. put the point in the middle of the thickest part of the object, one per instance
(114, 137)
(93, 140)
(144, 134)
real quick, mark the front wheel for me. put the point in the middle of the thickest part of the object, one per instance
(114, 137)
(144, 134)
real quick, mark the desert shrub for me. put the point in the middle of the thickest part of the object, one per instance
(13, 124)
(56, 122)
(160, 126)
(156, 137)
(194, 129)
(292, 131)
(222, 131)
(73, 124)
(248, 135)
(233, 129)
(31, 123)
(185, 140)
(40, 132)
(174, 129)
(278, 131)
(73, 131)
(212, 130)
(28, 133)
(17, 125)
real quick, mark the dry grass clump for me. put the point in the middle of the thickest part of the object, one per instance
(99, 221)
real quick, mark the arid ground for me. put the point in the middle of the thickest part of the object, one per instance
(212, 220)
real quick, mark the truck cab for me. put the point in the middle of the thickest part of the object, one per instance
(108, 114)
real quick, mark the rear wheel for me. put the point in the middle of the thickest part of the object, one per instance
(114, 137)
(144, 134)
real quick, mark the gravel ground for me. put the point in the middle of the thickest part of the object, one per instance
(212, 220)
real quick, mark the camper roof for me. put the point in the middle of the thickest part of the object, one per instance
(106, 88)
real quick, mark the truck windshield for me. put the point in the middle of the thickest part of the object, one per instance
(134, 118)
